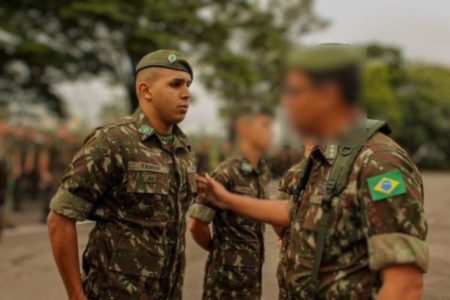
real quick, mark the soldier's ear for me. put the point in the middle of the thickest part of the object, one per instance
(144, 90)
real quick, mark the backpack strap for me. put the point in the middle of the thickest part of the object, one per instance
(335, 183)
(304, 176)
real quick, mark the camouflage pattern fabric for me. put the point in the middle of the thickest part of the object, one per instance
(364, 235)
(234, 266)
(286, 191)
(137, 189)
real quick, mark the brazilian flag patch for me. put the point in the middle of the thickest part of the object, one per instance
(386, 185)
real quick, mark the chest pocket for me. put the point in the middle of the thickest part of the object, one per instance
(145, 178)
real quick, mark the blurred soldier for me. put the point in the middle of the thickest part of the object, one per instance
(236, 250)
(3, 168)
(35, 146)
(53, 161)
(203, 157)
(357, 225)
(225, 149)
(136, 179)
(19, 153)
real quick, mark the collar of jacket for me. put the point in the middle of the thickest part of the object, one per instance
(146, 130)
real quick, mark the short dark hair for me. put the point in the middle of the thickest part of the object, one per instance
(348, 79)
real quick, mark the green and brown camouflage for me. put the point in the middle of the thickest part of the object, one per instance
(234, 266)
(137, 188)
(286, 191)
(365, 235)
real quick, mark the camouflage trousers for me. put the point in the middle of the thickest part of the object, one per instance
(114, 269)
(232, 274)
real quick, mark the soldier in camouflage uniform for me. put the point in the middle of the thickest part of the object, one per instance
(54, 158)
(357, 230)
(136, 179)
(236, 250)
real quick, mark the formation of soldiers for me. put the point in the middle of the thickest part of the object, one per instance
(349, 213)
(32, 162)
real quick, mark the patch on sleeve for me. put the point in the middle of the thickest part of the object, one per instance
(386, 185)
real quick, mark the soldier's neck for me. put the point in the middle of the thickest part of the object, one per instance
(252, 154)
(334, 125)
(156, 122)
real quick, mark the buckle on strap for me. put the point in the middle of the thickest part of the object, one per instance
(346, 150)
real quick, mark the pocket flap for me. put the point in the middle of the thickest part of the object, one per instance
(135, 262)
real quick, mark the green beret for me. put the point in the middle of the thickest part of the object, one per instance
(165, 59)
(325, 58)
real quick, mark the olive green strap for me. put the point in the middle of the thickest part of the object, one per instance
(341, 166)
(336, 182)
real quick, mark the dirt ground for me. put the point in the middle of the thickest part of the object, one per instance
(27, 270)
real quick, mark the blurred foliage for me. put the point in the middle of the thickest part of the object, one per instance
(236, 43)
(415, 99)
(113, 111)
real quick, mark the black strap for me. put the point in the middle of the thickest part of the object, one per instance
(303, 180)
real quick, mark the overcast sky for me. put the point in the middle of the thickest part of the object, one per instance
(421, 28)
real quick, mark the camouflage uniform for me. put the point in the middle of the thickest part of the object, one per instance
(137, 187)
(286, 191)
(365, 234)
(234, 266)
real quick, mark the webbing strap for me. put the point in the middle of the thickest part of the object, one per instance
(336, 182)
(304, 176)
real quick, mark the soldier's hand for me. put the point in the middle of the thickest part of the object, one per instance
(211, 191)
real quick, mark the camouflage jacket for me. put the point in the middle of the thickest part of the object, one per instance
(286, 190)
(233, 270)
(377, 221)
(138, 189)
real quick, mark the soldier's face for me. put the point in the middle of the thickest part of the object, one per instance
(306, 104)
(260, 132)
(170, 95)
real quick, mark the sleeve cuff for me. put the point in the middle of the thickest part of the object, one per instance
(397, 249)
(202, 212)
(70, 205)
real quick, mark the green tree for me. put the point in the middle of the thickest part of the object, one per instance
(415, 99)
(236, 43)
(425, 102)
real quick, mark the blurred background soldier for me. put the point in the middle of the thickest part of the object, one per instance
(3, 167)
(203, 156)
(236, 250)
(53, 161)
